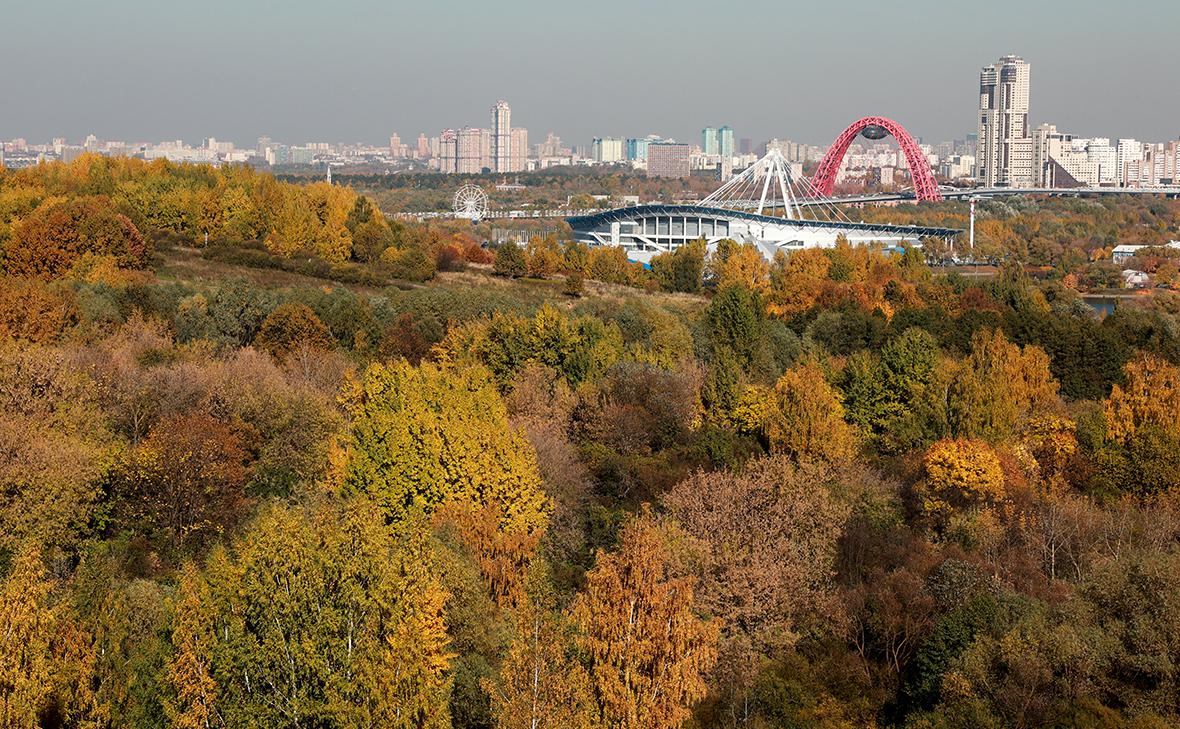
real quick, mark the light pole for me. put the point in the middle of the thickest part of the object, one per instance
(971, 233)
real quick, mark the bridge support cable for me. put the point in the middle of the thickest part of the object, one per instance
(753, 190)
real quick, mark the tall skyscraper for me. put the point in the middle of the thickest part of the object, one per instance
(725, 141)
(1005, 156)
(501, 137)
(709, 140)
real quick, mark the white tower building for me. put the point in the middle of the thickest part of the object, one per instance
(1005, 156)
(501, 137)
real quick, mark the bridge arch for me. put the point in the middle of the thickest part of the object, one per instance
(925, 186)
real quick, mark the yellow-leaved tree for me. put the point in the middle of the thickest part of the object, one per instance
(426, 436)
(314, 616)
(26, 627)
(960, 474)
(1151, 397)
(736, 264)
(542, 683)
(999, 387)
(805, 417)
(796, 281)
(438, 439)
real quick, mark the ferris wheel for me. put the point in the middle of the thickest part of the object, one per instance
(471, 202)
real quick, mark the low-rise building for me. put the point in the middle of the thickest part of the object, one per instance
(1126, 251)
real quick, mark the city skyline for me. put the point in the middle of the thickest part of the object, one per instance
(356, 72)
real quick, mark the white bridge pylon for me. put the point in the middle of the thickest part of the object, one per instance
(768, 184)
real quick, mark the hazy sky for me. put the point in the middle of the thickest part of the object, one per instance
(355, 70)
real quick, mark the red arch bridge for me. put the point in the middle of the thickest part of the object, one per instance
(877, 127)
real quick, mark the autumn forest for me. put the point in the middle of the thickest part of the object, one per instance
(272, 458)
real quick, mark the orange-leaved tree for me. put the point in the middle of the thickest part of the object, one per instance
(52, 238)
(649, 652)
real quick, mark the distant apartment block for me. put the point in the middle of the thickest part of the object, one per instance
(607, 149)
(667, 159)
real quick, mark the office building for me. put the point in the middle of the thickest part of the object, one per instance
(1005, 157)
(501, 136)
(668, 159)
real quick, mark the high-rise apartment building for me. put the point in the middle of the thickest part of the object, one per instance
(665, 159)
(1170, 164)
(448, 151)
(637, 149)
(607, 149)
(423, 147)
(1005, 157)
(1105, 155)
(469, 151)
(501, 137)
(1061, 161)
(1129, 161)
(709, 140)
(486, 158)
(519, 141)
(725, 146)
(551, 147)
(1049, 145)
